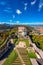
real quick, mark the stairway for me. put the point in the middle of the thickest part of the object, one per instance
(17, 62)
(24, 55)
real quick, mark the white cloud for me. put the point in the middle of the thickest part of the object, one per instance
(37, 23)
(18, 11)
(25, 4)
(25, 8)
(17, 22)
(8, 11)
(40, 6)
(32, 3)
(13, 16)
(2, 22)
(10, 20)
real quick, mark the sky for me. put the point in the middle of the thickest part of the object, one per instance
(21, 11)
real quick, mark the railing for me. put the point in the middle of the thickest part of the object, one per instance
(40, 52)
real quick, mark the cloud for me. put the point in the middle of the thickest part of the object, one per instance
(37, 23)
(17, 22)
(25, 8)
(18, 11)
(3, 3)
(33, 2)
(13, 16)
(25, 4)
(40, 6)
(8, 10)
(10, 20)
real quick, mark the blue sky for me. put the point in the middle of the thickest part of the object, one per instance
(21, 11)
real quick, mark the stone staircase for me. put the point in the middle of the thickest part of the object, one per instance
(17, 62)
(24, 55)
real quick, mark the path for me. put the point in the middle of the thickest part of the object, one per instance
(23, 63)
(24, 55)
(2, 61)
(17, 62)
(34, 62)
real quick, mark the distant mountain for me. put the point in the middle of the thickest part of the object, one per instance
(36, 25)
(10, 26)
(5, 26)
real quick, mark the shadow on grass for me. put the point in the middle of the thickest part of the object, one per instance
(11, 47)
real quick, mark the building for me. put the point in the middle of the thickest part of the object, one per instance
(22, 31)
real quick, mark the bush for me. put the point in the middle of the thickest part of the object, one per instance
(31, 54)
(38, 40)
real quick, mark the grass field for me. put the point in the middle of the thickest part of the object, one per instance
(32, 54)
(11, 58)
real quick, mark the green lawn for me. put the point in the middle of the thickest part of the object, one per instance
(16, 41)
(27, 42)
(11, 58)
(31, 54)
